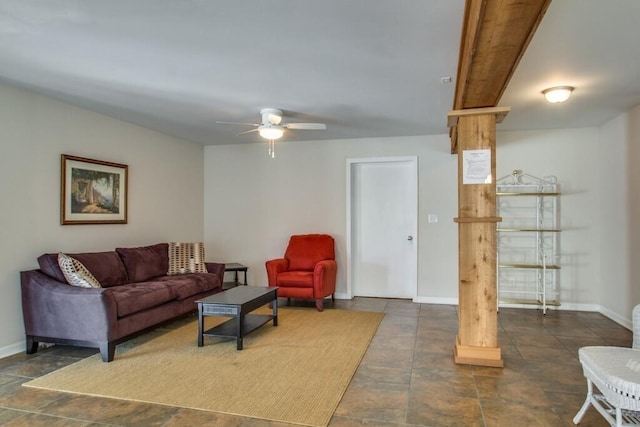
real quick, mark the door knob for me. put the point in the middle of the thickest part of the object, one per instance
(410, 238)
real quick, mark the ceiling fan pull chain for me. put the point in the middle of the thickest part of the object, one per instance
(272, 149)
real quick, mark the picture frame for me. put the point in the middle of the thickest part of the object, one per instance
(93, 191)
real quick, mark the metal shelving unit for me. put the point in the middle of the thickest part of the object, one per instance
(528, 240)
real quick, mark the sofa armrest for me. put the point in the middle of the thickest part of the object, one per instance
(216, 268)
(57, 310)
(324, 278)
(275, 267)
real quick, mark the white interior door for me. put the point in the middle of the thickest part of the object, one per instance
(383, 226)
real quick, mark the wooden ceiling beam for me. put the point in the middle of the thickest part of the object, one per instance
(495, 35)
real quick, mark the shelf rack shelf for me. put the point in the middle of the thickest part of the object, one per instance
(528, 240)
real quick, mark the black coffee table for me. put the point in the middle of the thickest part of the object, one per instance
(237, 303)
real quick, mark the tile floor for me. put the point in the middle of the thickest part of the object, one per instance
(407, 377)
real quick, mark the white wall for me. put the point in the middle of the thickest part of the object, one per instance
(619, 209)
(613, 223)
(165, 189)
(572, 155)
(253, 203)
(632, 287)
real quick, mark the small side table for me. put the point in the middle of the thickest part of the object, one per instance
(235, 267)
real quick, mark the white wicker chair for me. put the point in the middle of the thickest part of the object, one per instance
(616, 373)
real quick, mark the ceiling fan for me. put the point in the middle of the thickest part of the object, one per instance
(271, 126)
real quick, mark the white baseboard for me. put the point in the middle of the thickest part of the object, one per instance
(11, 349)
(436, 300)
(627, 323)
(579, 307)
(562, 306)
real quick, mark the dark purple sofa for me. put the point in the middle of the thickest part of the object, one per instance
(136, 295)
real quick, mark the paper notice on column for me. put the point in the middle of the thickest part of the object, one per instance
(476, 166)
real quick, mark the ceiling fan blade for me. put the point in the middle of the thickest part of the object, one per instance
(238, 123)
(249, 131)
(306, 126)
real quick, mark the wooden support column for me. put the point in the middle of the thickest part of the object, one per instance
(477, 340)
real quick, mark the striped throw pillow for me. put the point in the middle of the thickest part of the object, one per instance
(186, 258)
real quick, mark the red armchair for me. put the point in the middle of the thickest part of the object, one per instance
(308, 269)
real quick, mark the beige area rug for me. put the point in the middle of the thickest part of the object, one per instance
(296, 372)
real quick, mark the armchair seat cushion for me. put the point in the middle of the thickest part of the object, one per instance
(298, 279)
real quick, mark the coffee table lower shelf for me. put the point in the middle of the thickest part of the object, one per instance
(229, 329)
(237, 303)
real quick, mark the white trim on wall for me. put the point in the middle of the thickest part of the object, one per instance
(11, 349)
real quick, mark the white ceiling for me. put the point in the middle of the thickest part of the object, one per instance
(366, 68)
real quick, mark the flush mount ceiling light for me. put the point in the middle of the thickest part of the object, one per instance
(558, 93)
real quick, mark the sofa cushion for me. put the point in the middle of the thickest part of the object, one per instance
(106, 267)
(76, 273)
(186, 258)
(298, 279)
(188, 285)
(134, 297)
(146, 262)
(304, 251)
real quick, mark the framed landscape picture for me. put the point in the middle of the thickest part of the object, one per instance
(93, 191)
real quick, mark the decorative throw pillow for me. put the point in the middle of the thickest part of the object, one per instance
(76, 273)
(146, 262)
(186, 258)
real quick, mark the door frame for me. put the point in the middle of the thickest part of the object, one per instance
(413, 161)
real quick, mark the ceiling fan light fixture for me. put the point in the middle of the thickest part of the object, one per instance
(557, 93)
(271, 132)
